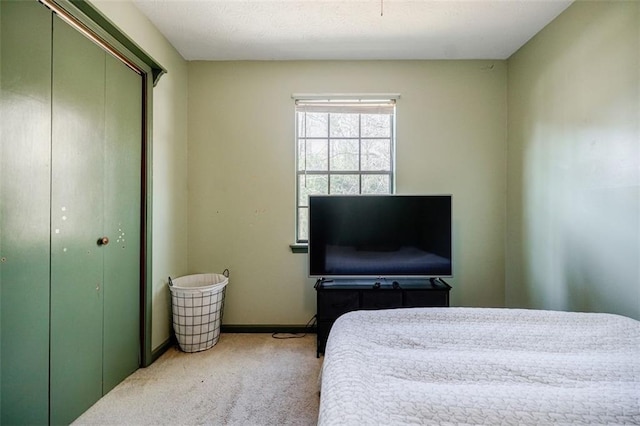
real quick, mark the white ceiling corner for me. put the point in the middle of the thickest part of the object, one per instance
(349, 29)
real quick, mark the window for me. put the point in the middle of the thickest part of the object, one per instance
(343, 147)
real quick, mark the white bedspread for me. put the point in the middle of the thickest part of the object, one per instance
(481, 366)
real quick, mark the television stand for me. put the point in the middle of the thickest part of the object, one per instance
(337, 297)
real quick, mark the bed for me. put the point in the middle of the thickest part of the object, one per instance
(481, 366)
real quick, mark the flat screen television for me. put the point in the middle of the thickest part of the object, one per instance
(380, 236)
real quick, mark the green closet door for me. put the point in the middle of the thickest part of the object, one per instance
(96, 223)
(123, 218)
(70, 174)
(25, 131)
(77, 206)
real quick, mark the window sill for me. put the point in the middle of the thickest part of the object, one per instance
(299, 248)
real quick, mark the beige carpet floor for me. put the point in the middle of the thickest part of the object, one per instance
(245, 379)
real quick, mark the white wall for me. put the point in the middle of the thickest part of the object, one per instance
(169, 247)
(574, 163)
(451, 138)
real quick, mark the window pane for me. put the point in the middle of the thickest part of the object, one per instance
(376, 154)
(317, 124)
(376, 184)
(303, 223)
(347, 150)
(302, 153)
(376, 125)
(345, 184)
(345, 125)
(344, 154)
(316, 155)
(300, 124)
(311, 184)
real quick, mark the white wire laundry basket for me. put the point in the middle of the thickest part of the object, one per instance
(197, 304)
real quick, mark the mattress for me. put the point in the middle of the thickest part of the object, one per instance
(481, 366)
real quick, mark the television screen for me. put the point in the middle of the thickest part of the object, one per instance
(380, 236)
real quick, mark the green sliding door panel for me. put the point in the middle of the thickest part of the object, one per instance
(25, 129)
(71, 219)
(123, 218)
(77, 206)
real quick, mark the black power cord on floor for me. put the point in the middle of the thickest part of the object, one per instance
(307, 326)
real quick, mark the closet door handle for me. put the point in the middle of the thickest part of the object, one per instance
(103, 241)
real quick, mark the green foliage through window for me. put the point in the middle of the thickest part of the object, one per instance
(343, 147)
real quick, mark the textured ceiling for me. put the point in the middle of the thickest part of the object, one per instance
(349, 29)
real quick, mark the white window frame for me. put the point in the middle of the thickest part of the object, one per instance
(361, 104)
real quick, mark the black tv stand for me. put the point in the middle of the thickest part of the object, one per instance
(337, 297)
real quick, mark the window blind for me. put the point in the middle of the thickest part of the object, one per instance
(386, 106)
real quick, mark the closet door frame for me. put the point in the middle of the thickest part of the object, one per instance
(84, 17)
